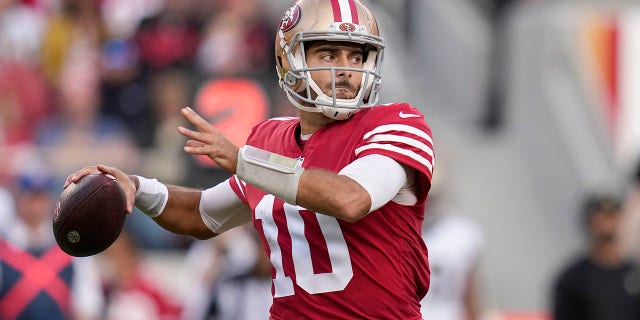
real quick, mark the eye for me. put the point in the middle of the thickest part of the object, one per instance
(356, 59)
(327, 57)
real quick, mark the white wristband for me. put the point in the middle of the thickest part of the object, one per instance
(276, 174)
(151, 196)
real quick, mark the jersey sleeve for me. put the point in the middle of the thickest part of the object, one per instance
(238, 186)
(221, 208)
(400, 132)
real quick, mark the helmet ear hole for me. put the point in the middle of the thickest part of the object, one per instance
(366, 48)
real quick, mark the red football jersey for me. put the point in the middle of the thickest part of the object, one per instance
(326, 268)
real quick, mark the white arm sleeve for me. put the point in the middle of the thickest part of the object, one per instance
(221, 209)
(384, 179)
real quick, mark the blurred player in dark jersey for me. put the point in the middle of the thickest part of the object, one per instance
(601, 283)
(337, 194)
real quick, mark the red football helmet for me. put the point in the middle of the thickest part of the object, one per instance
(329, 20)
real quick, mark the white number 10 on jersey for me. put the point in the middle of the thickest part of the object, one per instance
(301, 254)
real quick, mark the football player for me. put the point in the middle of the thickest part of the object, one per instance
(337, 194)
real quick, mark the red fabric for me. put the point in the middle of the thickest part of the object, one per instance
(163, 44)
(335, 5)
(612, 74)
(313, 254)
(354, 12)
(26, 101)
(337, 13)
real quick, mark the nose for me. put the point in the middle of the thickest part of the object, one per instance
(343, 61)
(343, 73)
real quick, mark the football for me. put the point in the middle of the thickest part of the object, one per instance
(89, 215)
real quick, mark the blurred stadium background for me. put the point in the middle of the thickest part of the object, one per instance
(533, 104)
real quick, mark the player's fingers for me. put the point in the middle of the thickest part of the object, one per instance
(196, 119)
(201, 150)
(74, 177)
(199, 136)
(105, 169)
(225, 156)
(193, 143)
(116, 173)
(111, 170)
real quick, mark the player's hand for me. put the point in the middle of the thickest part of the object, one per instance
(209, 141)
(128, 185)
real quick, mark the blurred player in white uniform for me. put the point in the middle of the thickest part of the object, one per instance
(455, 245)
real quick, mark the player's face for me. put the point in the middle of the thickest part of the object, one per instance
(336, 54)
(604, 225)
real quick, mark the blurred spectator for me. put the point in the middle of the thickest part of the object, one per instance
(124, 93)
(79, 134)
(122, 17)
(24, 102)
(71, 61)
(237, 41)
(495, 108)
(601, 283)
(14, 160)
(166, 37)
(130, 293)
(73, 36)
(169, 38)
(455, 245)
(21, 29)
(37, 279)
(229, 278)
(169, 91)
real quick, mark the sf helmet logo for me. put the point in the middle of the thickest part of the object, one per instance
(290, 18)
(348, 27)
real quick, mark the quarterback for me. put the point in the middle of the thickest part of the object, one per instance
(337, 194)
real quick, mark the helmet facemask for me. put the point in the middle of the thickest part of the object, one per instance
(305, 93)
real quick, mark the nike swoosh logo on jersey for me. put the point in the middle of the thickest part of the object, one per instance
(408, 115)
